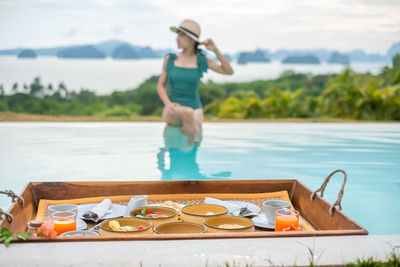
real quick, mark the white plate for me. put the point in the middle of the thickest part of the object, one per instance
(80, 233)
(115, 211)
(262, 222)
(252, 207)
(80, 224)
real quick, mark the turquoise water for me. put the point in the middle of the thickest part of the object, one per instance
(370, 153)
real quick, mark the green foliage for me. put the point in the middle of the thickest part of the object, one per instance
(347, 95)
(6, 236)
(393, 261)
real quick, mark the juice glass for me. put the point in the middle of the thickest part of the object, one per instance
(286, 218)
(64, 221)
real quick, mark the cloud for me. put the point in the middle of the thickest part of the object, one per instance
(71, 32)
(107, 3)
(6, 3)
(117, 29)
(235, 24)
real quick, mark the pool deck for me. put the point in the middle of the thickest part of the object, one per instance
(255, 252)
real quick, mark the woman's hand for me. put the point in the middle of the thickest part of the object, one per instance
(210, 45)
(170, 108)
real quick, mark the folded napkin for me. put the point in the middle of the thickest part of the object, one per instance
(98, 211)
(135, 202)
(232, 208)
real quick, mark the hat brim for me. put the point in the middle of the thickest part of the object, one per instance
(176, 29)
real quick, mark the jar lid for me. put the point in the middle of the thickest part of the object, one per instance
(35, 223)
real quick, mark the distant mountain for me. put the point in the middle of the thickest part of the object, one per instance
(147, 52)
(257, 56)
(108, 47)
(260, 55)
(357, 55)
(86, 51)
(360, 56)
(27, 53)
(301, 59)
(282, 54)
(394, 50)
(337, 58)
(125, 51)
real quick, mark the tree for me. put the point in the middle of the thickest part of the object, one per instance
(396, 61)
(36, 88)
(15, 88)
(62, 90)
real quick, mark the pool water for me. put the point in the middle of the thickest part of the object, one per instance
(125, 151)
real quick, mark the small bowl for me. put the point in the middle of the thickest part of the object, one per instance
(80, 233)
(197, 213)
(213, 224)
(171, 213)
(62, 207)
(105, 229)
(180, 228)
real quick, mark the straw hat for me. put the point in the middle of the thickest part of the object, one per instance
(190, 27)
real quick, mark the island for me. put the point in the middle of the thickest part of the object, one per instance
(27, 53)
(125, 51)
(301, 59)
(337, 58)
(257, 56)
(87, 51)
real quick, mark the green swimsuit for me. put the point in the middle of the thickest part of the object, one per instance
(184, 82)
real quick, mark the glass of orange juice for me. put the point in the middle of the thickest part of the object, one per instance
(286, 218)
(64, 221)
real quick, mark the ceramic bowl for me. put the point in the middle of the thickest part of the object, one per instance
(105, 229)
(220, 224)
(180, 228)
(198, 212)
(172, 214)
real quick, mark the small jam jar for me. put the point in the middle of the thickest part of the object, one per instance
(33, 226)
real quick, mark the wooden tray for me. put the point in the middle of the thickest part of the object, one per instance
(315, 213)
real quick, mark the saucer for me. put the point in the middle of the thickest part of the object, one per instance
(262, 222)
(80, 224)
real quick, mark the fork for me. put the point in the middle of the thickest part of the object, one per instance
(243, 211)
(90, 215)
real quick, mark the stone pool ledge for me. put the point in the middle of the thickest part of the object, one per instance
(336, 250)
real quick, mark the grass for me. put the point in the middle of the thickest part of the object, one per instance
(7, 116)
(392, 261)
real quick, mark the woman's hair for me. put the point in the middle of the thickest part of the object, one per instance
(196, 47)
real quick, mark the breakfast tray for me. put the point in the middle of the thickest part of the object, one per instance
(319, 217)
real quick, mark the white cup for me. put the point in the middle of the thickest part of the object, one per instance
(135, 202)
(270, 206)
(62, 207)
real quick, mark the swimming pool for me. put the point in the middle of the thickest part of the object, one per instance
(122, 151)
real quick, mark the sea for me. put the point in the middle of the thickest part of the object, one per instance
(103, 76)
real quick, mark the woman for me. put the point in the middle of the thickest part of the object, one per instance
(183, 72)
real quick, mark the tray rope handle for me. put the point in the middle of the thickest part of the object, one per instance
(338, 201)
(9, 216)
(13, 196)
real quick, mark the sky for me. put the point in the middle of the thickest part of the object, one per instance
(234, 25)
